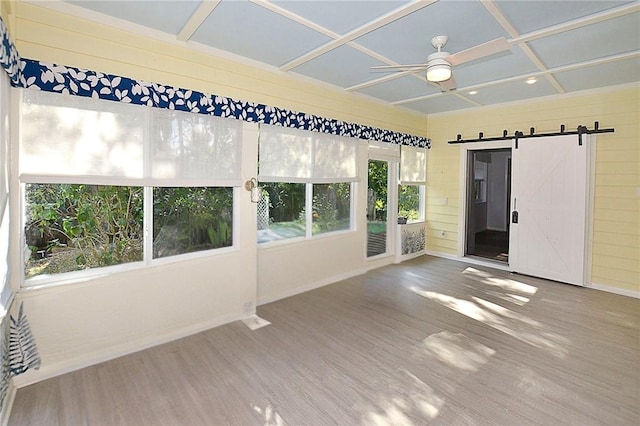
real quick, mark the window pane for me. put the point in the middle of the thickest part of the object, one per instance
(410, 202)
(71, 227)
(331, 207)
(281, 211)
(187, 220)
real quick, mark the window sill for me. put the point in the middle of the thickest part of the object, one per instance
(40, 283)
(302, 240)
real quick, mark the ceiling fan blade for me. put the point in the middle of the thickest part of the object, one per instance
(385, 67)
(448, 85)
(479, 51)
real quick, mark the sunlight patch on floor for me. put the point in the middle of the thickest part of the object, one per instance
(269, 415)
(457, 350)
(508, 297)
(501, 310)
(516, 325)
(408, 398)
(504, 283)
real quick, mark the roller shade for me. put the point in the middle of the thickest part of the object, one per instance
(292, 155)
(84, 140)
(413, 165)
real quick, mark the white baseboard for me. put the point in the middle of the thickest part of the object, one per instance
(616, 290)
(403, 257)
(8, 404)
(48, 371)
(595, 286)
(311, 286)
(472, 260)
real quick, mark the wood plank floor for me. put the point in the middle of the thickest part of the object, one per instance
(430, 341)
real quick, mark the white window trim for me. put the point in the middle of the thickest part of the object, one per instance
(308, 205)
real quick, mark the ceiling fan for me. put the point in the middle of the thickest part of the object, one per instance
(439, 63)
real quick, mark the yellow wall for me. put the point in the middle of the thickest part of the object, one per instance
(616, 215)
(45, 35)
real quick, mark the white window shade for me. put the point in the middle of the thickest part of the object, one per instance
(72, 139)
(335, 159)
(89, 139)
(413, 165)
(285, 155)
(292, 155)
(194, 150)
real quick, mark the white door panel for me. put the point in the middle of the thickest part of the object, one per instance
(549, 194)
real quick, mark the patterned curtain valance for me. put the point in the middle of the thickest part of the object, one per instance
(31, 74)
(9, 57)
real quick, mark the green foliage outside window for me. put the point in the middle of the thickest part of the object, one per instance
(409, 202)
(187, 220)
(71, 227)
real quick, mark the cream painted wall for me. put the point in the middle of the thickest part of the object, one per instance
(616, 216)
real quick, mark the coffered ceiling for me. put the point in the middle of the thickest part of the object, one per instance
(565, 46)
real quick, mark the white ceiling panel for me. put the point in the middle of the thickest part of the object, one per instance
(340, 16)
(603, 75)
(585, 44)
(600, 40)
(531, 15)
(496, 67)
(408, 40)
(401, 88)
(249, 30)
(354, 67)
(439, 104)
(168, 16)
(513, 91)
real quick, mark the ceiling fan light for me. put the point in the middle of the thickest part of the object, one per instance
(440, 71)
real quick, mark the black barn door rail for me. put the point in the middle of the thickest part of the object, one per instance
(581, 130)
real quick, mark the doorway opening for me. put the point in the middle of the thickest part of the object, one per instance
(488, 204)
(377, 207)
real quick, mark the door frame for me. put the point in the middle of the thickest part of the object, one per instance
(382, 151)
(463, 199)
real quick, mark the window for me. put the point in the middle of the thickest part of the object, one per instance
(411, 202)
(186, 220)
(281, 212)
(413, 176)
(92, 168)
(331, 207)
(306, 179)
(74, 227)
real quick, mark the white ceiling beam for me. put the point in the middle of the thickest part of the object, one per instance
(578, 23)
(325, 31)
(379, 80)
(523, 77)
(513, 33)
(359, 32)
(198, 17)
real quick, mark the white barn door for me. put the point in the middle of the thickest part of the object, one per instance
(549, 208)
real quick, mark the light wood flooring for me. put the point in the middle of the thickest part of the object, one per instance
(430, 341)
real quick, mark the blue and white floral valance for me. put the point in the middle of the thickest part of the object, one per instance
(9, 57)
(31, 74)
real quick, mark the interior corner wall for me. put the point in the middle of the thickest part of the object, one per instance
(615, 260)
